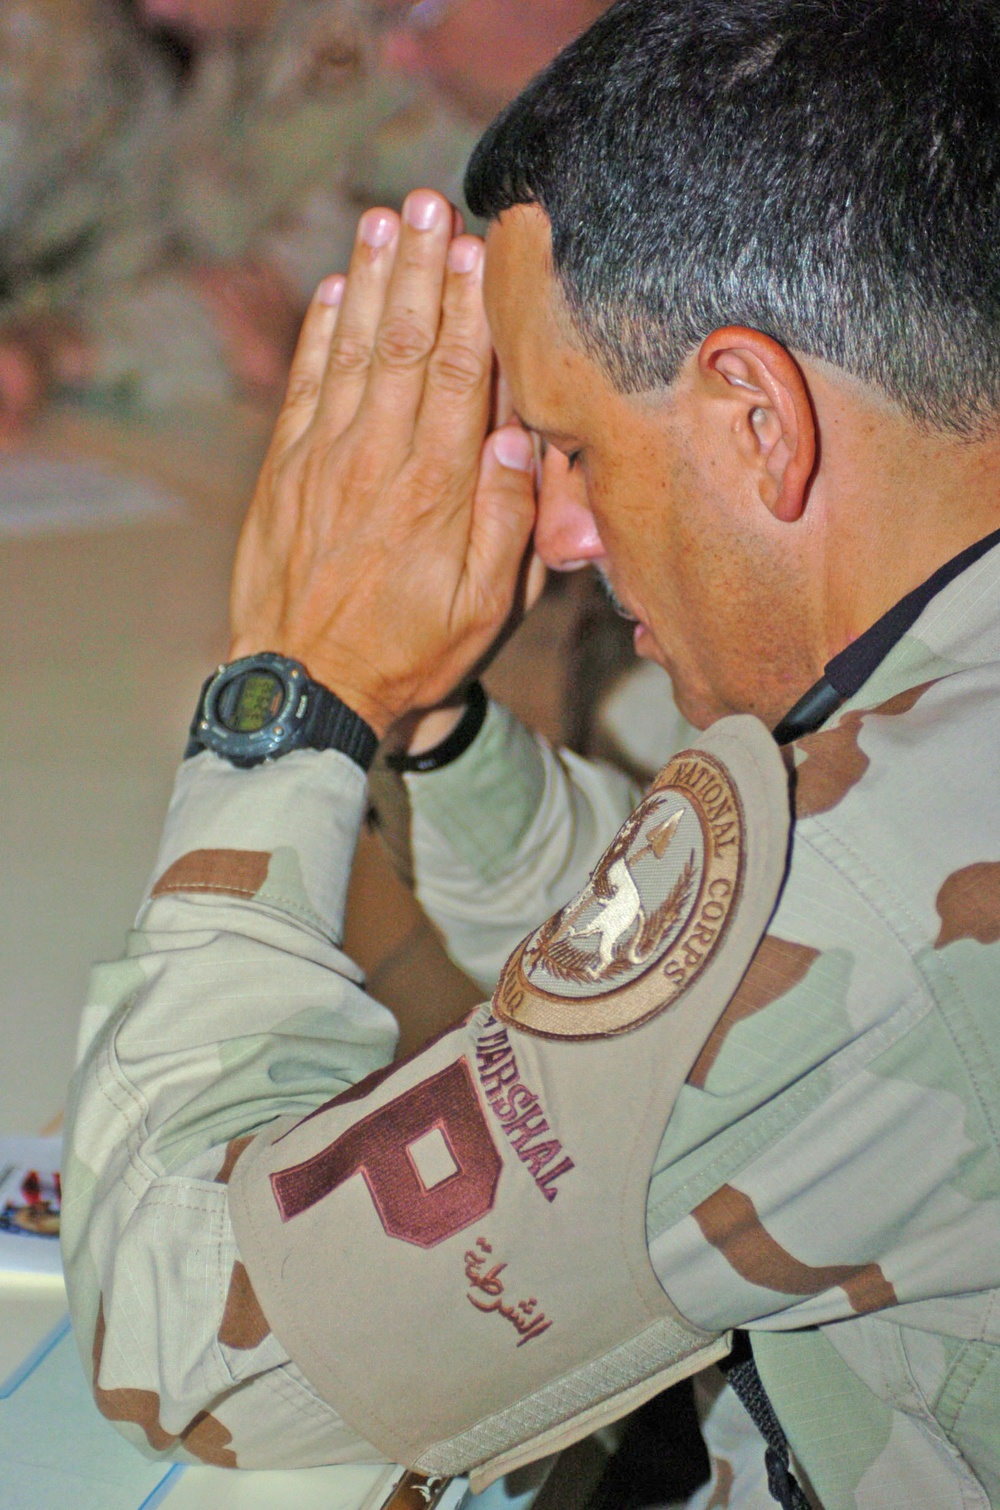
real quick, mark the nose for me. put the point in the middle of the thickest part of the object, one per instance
(566, 534)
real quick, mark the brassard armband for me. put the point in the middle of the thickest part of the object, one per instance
(454, 1251)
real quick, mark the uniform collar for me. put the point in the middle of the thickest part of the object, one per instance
(847, 673)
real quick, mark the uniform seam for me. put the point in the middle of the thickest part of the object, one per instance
(137, 1135)
(275, 904)
(302, 1395)
(972, 1379)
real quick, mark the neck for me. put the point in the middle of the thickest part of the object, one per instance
(896, 502)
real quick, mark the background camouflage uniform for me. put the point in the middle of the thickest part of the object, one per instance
(82, 118)
(114, 186)
(281, 141)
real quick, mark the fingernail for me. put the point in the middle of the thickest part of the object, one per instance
(423, 210)
(463, 255)
(331, 290)
(513, 448)
(377, 228)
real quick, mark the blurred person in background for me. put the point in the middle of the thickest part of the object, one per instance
(82, 110)
(161, 237)
(478, 54)
(108, 285)
(283, 128)
(295, 114)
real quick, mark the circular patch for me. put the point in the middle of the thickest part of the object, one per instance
(649, 919)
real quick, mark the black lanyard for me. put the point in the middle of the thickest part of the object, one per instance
(847, 673)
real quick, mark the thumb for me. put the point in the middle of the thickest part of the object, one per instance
(503, 513)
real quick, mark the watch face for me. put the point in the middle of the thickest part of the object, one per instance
(250, 702)
(255, 708)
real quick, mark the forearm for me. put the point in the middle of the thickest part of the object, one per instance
(233, 1005)
(501, 838)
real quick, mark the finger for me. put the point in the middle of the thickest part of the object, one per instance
(411, 318)
(309, 364)
(503, 404)
(350, 354)
(22, 387)
(535, 579)
(502, 520)
(455, 409)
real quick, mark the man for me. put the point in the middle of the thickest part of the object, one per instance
(741, 271)
(479, 53)
(81, 119)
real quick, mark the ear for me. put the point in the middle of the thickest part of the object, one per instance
(773, 420)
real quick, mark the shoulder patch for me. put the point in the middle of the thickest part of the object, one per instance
(649, 919)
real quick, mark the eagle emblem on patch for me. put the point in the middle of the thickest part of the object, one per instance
(649, 919)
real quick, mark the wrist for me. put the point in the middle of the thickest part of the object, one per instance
(264, 705)
(419, 732)
(443, 735)
(332, 679)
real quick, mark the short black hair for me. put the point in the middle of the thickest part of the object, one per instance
(825, 171)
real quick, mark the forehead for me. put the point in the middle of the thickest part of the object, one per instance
(553, 382)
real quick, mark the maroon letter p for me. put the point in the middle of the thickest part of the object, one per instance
(377, 1148)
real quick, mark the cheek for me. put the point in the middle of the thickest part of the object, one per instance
(632, 514)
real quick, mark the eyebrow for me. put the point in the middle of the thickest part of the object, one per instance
(546, 430)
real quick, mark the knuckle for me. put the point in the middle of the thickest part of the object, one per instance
(349, 355)
(457, 370)
(433, 480)
(402, 344)
(302, 389)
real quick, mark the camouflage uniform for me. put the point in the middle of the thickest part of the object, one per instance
(828, 1177)
(85, 151)
(112, 189)
(281, 141)
(82, 116)
(274, 147)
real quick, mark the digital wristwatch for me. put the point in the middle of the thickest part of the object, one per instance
(262, 706)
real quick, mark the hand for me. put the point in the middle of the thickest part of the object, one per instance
(385, 545)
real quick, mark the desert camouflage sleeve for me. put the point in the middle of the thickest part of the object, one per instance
(500, 838)
(786, 1194)
(232, 1005)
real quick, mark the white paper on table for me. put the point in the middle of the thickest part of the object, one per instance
(40, 496)
(23, 1251)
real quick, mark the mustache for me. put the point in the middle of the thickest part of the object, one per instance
(612, 596)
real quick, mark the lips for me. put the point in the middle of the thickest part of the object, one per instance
(613, 598)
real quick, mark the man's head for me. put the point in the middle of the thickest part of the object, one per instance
(738, 220)
(479, 53)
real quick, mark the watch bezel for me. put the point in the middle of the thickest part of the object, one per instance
(284, 731)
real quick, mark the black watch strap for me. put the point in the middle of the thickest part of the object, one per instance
(332, 725)
(195, 744)
(325, 722)
(457, 742)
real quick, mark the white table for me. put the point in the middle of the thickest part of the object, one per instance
(32, 1310)
(33, 1313)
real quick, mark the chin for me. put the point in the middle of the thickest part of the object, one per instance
(693, 703)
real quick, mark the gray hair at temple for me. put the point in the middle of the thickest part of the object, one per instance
(824, 171)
